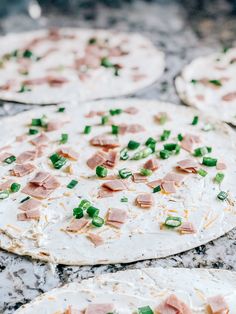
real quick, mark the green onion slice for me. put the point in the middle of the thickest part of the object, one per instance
(25, 199)
(202, 172)
(164, 154)
(201, 151)
(64, 138)
(15, 187)
(142, 153)
(133, 145)
(97, 221)
(173, 221)
(61, 109)
(114, 112)
(124, 199)
(104, 120)
(195, 120)
(33, 131)
(87, 129)
(157, 189)
(145, 310)
(115, 129)
(222, 195)
(165, 135)
(180, 137)
(4, 194)
(215, 82)
(84, 204)
(125, 173)
(101, 171)
(124, 154)
(9, 160)
(57, 161)
(72, 184)
(219, 177)
(209, 162)
(145, 172)
(78, 212)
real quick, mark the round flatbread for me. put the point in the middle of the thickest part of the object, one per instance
(133, 291)
(177, 205)
(208, 83)
(48, 67)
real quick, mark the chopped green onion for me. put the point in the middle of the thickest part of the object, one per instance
(27, 54)
(195, 120)
(125, 173)
(124, 199)
(145, 172)
(173, 221)
(92, 211)
(215, 82)
(157, 189)
(72, 184)
(124, 154)
(145, 310)
(64, 138)
(222, 195)
(219, 177)
(39, 122)
(106, 63)
(92, 41)
(202, 172)
(115, 129)
(165, 135)
(10, 160)
(164, 154)
(201, 151)
(142, 153)
(33, 131)
(57, 161)
(84, 204)
(150, 140)
(4, 194)
(180, 137)
(210, 162)
(78, 212)
(101, 171)
(170, 146)
(25, 199)
(194, 81)
(23, 89)
(225, 49)
(208, 127)
(98, 221)
(104, 120)
(61, 109)
(133, 145)
(15, 187)
(114, 112)
(87, 129)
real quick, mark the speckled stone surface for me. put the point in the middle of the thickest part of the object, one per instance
(183, 32)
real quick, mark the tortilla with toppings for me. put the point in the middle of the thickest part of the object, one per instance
(48, 67)
(114, 181)
(144, 291)
(212, 91)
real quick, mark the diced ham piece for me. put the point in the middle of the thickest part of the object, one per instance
(131, 110)
(78, 225)
(188, 165)
(104, 192)
(22, 170)
(28, 155)
(97, 159)
(154, 183)
(21, 138)
(117, 215)
(145, 200)
(36, 191)
(51, 183)
(54, 125)
(116, 185)
(151, 164)
(130, 128)
(139, 178)
(111, 160)
(189, 141)
(187, 227)
(39, 140)
(68, 152)
(138, 77)
(30, 204)
(41, 150)
(5, 155)
(40, 178)
(177, 178)
(229, 96)
(221, 166)
(168, 186)
(29, 215)
(50, 80)
(93, 113)
(172, 305)
(95, 238)
(103, 308)
(6, 185)
(218, 305)
(104, 141)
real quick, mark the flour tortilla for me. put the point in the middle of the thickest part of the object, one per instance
(209, 97)
(141, 236)
(131, 289)
(141, 66)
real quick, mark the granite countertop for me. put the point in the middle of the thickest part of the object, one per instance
(182, 32)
